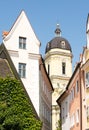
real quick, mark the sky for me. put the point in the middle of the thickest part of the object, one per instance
(44, 15)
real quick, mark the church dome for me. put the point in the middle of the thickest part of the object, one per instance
(58, 42)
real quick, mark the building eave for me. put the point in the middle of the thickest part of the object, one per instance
(77, 67)
(42, 65)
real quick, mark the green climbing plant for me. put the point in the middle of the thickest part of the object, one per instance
(59, 125)
(16, 112)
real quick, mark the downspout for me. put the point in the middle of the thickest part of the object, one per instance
(60, 117)
(80, 98)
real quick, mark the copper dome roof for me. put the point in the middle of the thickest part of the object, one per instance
(58, 42)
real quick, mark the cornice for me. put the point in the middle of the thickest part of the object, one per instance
(62, 77)
(13, 53)
(34, 56)
(59, 53)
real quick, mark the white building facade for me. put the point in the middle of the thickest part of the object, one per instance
(23, 47)
(65, 117)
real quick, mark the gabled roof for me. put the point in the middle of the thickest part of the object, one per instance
(7, 35)
(7, 68)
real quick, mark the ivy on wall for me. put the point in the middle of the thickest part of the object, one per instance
(16, 112)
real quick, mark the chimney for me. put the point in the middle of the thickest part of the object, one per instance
(4, 34)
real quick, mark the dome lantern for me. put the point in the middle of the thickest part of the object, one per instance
(58, 42)
(57, 31)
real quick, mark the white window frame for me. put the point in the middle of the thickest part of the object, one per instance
(72, 120)
(22, 70)
(22, 42)
(77, 116)
(87, 79)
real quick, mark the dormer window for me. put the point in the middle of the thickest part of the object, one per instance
(22, 42)
(48, 45)
(63, 44)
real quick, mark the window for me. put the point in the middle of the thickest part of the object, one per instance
(77, 86)
(77, 116)
(72, 120)
(72, 94)
(63, 67)
(48, 45)
(62, 113)
(22, 70)
(48, 69)
(87, 112)
(63, 44)
(87, 79)
(22, 42)
(66, 106)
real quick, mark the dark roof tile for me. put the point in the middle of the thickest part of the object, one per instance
(5, 68)
(58, 42)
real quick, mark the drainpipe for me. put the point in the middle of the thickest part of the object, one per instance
(80, 98)
(60, 117)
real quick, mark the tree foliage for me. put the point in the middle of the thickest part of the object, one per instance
(16, 112)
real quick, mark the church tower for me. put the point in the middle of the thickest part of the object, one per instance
(58, 62)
